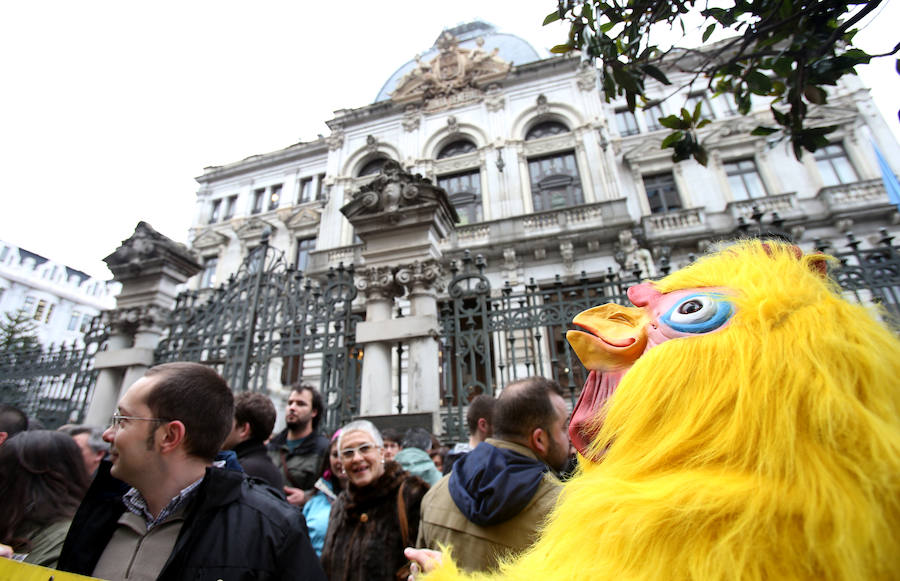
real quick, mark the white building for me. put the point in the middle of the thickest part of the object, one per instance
(544, 174)
(60, 300)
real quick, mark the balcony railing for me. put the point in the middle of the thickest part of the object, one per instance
(854, 196)
(785, 204)
(674, 224)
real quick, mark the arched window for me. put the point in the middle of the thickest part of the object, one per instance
(545, 129)
(455, 148)
(372, 167)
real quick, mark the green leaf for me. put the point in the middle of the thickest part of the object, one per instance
(671, 138)
(655, 73)
(708, 32)
(758, 82)
(763, 131)
(552, 17)
(627, 80)
(815, 94)
(703, 123)
(695, 116)
(673, 122)
(561, 48)
(701, 156)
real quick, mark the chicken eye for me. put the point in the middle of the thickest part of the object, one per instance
(699, 313)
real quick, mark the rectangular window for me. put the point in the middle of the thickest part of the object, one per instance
(73, 321)
(258, 198)
(555, 182)
(85, 323)
(652, 113)
(464, 192)
(274, 197)
(28, 306)
(304, 247)
(230, 204)
(320, 185)
(744, 180)
(305, 190)
(39, 311)
(626, 122)
(49, 312)
(208, 276)
(834, 165)
(662, 194)
(214, 214)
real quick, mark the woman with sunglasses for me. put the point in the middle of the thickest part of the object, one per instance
(376, 516)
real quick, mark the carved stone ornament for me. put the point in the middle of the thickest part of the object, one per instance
(371, 144)
(586, 77)
(543, 107)
(452, 125)
(378, 282)
(567, 252)
(135, 319)
(336, 139)
(209, 238)
(392, 191)
(253, 228)
(419, 276)
(454, 71)
(630, 255)
(493, 99)
(147, 249)
(303, 217)
(412, 118)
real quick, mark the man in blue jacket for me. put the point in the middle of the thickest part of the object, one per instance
(160, 510)
(493, 502)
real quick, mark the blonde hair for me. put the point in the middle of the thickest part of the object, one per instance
(767, 450)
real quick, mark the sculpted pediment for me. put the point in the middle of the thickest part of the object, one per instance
(302, 217)
(253, 228)
(453, 71)
(209, 238)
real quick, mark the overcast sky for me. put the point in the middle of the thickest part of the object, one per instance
(109, 110)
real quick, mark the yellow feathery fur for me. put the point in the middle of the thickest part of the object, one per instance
(768, 450)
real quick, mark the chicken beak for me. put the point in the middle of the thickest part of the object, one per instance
(610, 339)
(610, 336)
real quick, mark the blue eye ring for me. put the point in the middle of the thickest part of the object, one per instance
(713, 312)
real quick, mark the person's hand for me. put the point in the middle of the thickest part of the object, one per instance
(6, 551)
(295, 496)
(423, 560)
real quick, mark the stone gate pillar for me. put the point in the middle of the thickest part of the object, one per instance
(150, 267)
(401, 219)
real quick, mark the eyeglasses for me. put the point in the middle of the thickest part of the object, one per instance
(349, 453)
(116, 420)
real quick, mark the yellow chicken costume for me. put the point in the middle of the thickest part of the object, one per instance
(741, 422)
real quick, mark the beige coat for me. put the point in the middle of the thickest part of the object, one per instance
(477, 548)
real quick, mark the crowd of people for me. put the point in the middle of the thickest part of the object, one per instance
(189, 482)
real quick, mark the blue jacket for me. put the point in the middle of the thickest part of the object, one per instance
(490, 485)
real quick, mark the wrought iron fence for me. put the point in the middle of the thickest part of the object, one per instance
(269, 325)
(53, 385)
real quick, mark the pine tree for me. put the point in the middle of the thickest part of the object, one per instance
(17, 332)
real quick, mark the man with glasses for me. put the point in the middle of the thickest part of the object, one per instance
(159, 509)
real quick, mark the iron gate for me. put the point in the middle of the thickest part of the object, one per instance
(270, 325)
(53, 385)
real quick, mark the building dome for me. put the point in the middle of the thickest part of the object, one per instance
(511, 49)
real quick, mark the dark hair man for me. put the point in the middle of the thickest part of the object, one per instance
(392, 439)
(479, 425)
(297, 450)
(497, 495)
(91, 443)
(181, 518)
(254, 418)
(12, 421)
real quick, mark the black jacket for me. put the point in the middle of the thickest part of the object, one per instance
(235, 529)
(255, 461)
(302, 467)
(363, 542)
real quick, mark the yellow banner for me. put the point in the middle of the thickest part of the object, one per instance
(15, 571)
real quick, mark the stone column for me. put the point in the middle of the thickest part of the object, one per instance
(423, 376)
(378, 285)
(401, 218)
(150, 267)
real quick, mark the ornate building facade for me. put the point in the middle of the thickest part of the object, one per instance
(545, 180)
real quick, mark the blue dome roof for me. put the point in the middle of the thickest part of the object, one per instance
(512, 49)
